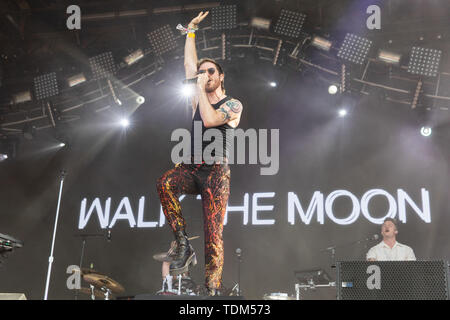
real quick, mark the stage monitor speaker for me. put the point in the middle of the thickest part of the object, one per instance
(13, 296)
(393, 280)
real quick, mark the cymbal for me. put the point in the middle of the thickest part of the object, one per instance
(97, 293)
(100, 281)
(193, 238)
(88, 271)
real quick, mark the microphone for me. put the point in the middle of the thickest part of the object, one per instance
(193, 80)
(108, 235)
(238, 252)
(374, 237)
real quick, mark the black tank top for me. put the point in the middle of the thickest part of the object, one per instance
(227, 135)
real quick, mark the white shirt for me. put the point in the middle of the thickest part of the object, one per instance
(399, 252)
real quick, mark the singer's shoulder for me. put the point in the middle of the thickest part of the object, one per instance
(234, 104)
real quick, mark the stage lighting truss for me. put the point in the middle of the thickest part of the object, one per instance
(354, 49)
(45, 86)
(162, 40)
(290, 23)
(424, 61)
(102, 65)
(224, 17)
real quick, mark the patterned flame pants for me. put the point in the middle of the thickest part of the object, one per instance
(212, 182)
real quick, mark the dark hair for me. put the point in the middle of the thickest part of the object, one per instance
(218, 66)
(393, 221)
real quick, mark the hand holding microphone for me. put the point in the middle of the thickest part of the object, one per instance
(193, 80)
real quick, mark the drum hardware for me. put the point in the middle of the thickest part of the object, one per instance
(183, 286)
(277, 296)
(167, 256)
(84, 237)
(312, 279)
(100, 286)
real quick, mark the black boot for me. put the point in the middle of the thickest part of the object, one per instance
(184, 254)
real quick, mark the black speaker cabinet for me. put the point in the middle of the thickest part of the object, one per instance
(393, 280)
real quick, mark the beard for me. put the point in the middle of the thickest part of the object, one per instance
(212, 86)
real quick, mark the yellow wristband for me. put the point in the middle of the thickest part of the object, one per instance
(191, 35)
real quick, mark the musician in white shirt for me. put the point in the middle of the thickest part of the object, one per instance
(389, 249)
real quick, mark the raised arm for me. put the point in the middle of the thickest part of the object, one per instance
(190, 52)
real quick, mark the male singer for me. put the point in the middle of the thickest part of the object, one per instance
(390, 249)
(213, 109)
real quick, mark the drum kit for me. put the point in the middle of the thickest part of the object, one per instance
(183, 285)
(100, 285)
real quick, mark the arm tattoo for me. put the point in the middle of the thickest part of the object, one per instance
(234, 105)
(225, 114)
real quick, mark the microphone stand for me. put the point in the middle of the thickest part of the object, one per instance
(239, 274)
(332, 249)
(84, 237)
(50, 259)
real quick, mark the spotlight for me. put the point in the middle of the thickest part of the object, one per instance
(187, 90)
(321, 43)
(260, 23)
(3, 156)
(21, 97)
(76, 79)
(224, 17)
(62, 144)
(389, 57)
(162, 40)
(342, 113)
(46, 86)
(425, 131)
(124, 122)
(333, 89)
(102, 65)
(290, 23)
(273, 84)
(354, 48)
(133, 57)
(424, 61)
(140, 100)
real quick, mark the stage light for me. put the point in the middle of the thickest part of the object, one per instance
(342, 113)
(425, 131)
(389, 57)
(22, 97)
(134, 57)
(76, 79)
(102, 65)
(321, 43)
(424, 61)
(290, 23)
(354, 48)
(124, 122)
(62, 144)
(162, 40)
(273, 84)
(187, 90)
(3, 157)
(224, 17)
(45, 86)
(260, 23)
(333, 89)
(140, 100)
